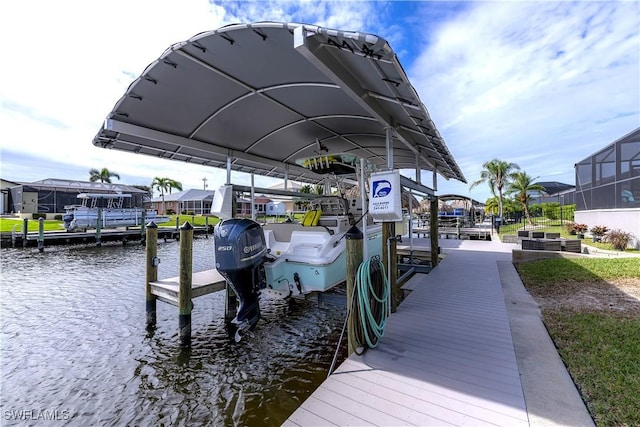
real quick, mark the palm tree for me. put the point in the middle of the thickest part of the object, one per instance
(305, 189)
(492, 205)
(521, 185)
(103, 175)
(163, 185)
(497, 173)
(174, 184)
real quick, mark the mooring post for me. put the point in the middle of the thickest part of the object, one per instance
(25, 231)
(152, 271)
(206, 227)
(99, 227)
(13, 235)
(458, 228)
(390, 260)
(142, 227)
(433, 231)
(41, 234)
(186, 274)
(354, 259)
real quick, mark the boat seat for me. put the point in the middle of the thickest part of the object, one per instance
(282, 231)
(311, 218)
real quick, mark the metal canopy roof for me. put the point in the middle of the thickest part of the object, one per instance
(268, 94)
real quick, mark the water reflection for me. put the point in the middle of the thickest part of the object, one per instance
(74, 338)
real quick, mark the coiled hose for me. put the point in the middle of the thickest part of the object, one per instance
(371, 302)
(370, 306)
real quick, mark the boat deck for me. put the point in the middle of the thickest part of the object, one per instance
(447, 356)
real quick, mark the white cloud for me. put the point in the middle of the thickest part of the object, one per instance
(542, 84)
(70, 61)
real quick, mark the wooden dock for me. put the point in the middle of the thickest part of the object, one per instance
(202, 283)
(478, 233)
(123, 235)
(446, 358)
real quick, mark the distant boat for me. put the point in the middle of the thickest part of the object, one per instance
(85, 215)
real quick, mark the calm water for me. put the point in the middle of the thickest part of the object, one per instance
(74, 346)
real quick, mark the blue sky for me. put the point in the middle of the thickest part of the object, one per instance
(542, 84)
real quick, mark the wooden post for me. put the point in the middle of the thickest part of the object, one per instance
(99, 227)
(142, 227)
(206, 227)
(152, 271)
(354, 259)
(458, 228)
(393, 247)
(25, 231)
(186, 274)
(433, 231)
(390, 260)
(41, 234)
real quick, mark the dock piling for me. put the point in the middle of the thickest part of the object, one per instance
(99, 228)
(41, 234)
(433, 231)
(142, 227)
(25, 231)
(390, 258)
(186, 273)
(354, 259)
(152, 271)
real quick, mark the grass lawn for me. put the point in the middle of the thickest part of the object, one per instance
(591, 308)
(7, 224)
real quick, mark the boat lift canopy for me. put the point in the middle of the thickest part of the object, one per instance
(257, 97)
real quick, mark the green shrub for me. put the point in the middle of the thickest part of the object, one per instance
(619, 239)
(58, 217)
(39, 215)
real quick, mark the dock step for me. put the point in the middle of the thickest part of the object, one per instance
(203, 283)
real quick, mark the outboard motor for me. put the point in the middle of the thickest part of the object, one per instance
(69, 223)
(240, 249)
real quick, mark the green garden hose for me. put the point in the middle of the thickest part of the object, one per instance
(372, 301)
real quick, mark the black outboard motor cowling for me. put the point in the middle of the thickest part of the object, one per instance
(240, 249)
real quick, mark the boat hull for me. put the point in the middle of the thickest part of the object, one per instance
(299, 273)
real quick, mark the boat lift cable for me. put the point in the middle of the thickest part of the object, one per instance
(370, 303)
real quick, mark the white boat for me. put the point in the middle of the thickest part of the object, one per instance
(291, 258)
(108, 208)
(305, 258)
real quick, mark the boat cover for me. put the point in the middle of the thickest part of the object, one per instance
(267, 94)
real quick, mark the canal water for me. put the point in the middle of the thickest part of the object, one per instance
(75, 349)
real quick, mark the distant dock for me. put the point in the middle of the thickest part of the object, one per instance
(123, 235)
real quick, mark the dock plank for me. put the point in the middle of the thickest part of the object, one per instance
(446, 358)
(413, 281)
(202, 283)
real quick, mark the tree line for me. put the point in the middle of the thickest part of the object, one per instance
(162, 185)
(506, 179)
